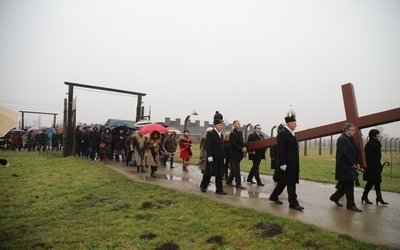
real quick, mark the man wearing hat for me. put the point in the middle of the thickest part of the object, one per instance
(215, 152)
(287, 163)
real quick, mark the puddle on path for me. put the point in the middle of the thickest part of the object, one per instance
(168, 177)
(233, 191)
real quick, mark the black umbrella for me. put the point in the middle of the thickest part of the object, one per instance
(118, 123)
(115, 130)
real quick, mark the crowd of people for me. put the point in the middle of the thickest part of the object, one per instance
(35, 140)
(133, 148)
(221, 155)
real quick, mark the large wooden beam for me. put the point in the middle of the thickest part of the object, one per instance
(350, 103)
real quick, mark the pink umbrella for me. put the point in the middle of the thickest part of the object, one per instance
(148, 129)
(60, 129)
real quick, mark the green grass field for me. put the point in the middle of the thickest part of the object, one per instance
(71, 203)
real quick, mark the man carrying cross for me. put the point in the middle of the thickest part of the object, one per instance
(347, 165)
(288, 163)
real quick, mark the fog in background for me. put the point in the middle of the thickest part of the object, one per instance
(249, 60)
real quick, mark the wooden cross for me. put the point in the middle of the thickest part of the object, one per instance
(350, 106)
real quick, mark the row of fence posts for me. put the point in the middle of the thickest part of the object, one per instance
(390, 145)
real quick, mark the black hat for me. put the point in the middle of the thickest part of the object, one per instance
(218, 118)
(290, 116)
(373, 133)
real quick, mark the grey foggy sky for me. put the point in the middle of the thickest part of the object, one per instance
(249, 60)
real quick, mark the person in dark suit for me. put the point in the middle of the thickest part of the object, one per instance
(346, 167)
(273, 156)
(373, 171)
(288, 162)
(215, 163)
(236, 150)
(256, 156)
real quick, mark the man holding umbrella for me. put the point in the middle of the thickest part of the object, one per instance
(215, 164)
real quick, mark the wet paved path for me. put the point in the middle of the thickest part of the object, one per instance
(378, 224)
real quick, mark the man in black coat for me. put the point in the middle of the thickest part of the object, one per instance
(256, 156)
(346, 167)
(236, 151)
(215, 164)
(288, 163)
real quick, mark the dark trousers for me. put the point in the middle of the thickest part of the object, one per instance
(291, 190)
(342, 188)
(128, 157)
(166, 157)
(255, 171)
(218, 183)
(235, 173)
(93, 153)
(369, 186)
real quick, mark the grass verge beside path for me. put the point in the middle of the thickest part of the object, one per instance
(70, 203)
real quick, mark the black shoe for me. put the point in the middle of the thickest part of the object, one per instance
(203, 189)
(297, 207)
(221, 193)
(229, 183)
(366, 200)
(251, 182)
(336, 202)
(260, 184)
(354, 208)
(171, 167)
(277, 201)
(380, 200)
(240, 187)
(143, 171)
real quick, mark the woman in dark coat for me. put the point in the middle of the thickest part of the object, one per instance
(374, 167)
(106, 138)
(119, 149)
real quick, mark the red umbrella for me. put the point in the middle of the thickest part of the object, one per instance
(150, 128)
(60, 129)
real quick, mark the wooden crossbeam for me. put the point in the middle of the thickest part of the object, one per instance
(350, 104)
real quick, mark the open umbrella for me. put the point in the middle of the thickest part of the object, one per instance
(8, 120)
(118, 123)
(17, 131)
(34, 130)
(148, 129)
(162, 124)
(115, 130)
(60, 129)
(172, 129)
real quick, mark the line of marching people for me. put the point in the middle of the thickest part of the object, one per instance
(40, 140)
(132, 148)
